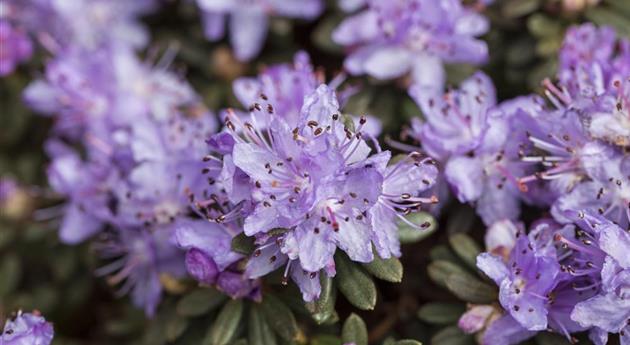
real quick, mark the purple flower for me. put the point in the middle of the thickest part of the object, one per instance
(27, 328)
(418, 36)
(90, 24)
(138, 258)
(210, 259)
(311, 187)
(588, 61)
(283, 85)
(565, 278)
(524, 281)
(468, 132)
(476, 318)
(17, 47)
(583, 171)
(249, 20)
(605, 246)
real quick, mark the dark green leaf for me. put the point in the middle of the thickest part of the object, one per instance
(354, 331)
(323, 309)
(390, 270)
(470, 289)
(348, 122)
(462, 220)
(224, 328)
(408, 342)
(280, 318)
(441, 313)
(466, 249)
(260, 333)
(621, 6)
(409, 234)
(604, 16)
(519, 8)
(199, 302)
(325, 339)
(354, 283)
(440, 270)
(443, 252)
(175, 328)
(243, 244)
(10, 271)
(452, 336)
(546, 338)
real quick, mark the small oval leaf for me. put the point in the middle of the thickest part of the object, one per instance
(199, 302)
(440, 270)
(408, 234)
(280, 318)
(452, 335)
(466, 249)
(470, 289)
(390, 270)
(175, 328)
(323, 309)
(354, 283)
(441, 313)
(259, 331)
(243, 244)
(224, 328)
(408, 342)
(354, 331)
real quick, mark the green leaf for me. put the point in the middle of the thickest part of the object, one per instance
(243, 244)
(542, 26)
(621, 6)
(470, 289)
(323, 309)
(348, 122)
(441, 313)
(519, 8)
(452, 335)
(443, 252)
(462, 220)
(408, 342)
(546, 338)
(10, 271)
(280, 318)
(260, 333)
(199, 302)
(604, 16)
(354, 331)
(440, 270)
(466, 249)
(409, 234)
(325, 339)
(224, 328)
(175, 328)
(354, 283)
(390, 270)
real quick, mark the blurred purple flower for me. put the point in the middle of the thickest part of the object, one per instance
(138, 258)
(27, 328)
(248, 20)
(16, 47)
(388, 40)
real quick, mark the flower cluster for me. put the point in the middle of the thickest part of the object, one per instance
(469, 133)
(301, 181)
(390, 39)
(27, 328)
(568, 274)
(137, 125)
(566, 278)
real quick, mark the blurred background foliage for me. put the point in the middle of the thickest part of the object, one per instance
(37, 272)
